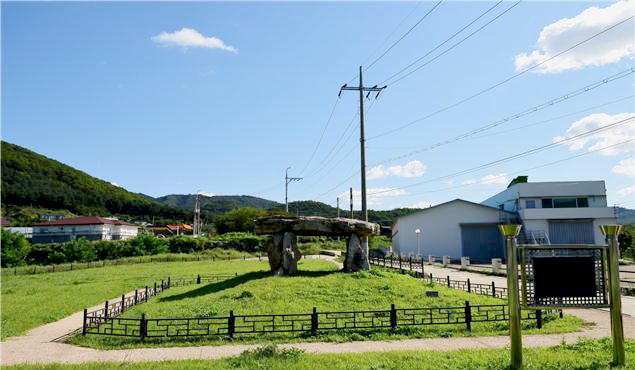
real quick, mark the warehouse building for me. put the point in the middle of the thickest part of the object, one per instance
(550, 212)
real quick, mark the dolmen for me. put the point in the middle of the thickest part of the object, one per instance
(283, 252)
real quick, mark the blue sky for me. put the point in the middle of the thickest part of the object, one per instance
(166, 98)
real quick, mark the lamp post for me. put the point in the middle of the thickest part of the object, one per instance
(510, 232)
(611, 232)
(418, 232)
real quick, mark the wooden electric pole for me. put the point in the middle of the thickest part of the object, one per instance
(362, 140)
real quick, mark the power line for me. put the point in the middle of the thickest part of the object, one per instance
(328, 159)
(529, 169)
(464, 100)
(403, 20)
(518, 115)
(515, 156)
(403, 36)
(326, 125)
(448, 39)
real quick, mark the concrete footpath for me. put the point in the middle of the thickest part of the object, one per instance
(43, 345)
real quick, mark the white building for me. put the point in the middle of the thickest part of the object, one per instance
(456, 228)
(563, 212)
(550, 212)
(26, 231)
(87, 227)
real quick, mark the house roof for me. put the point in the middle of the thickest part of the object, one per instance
(85, 220)
(453, 201)
(179, 226)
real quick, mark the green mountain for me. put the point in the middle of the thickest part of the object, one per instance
(217, 204)
(33, 180)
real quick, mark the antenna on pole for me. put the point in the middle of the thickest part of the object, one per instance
(287, 180)
(351, 194)
(197, 226)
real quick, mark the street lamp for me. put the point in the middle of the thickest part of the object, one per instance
(418, 232)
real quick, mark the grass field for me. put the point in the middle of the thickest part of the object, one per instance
(319, 285)
(587, 354)
(53, 296)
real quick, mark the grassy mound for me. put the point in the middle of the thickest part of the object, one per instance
(318, 285)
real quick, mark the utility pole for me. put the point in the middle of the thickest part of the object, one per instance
(338, 207)
(287, 180)
(362, 140)
(351, 193)
(197, 218)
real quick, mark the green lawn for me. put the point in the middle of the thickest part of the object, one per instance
(319, 285)
(29, 301)
(587, 354)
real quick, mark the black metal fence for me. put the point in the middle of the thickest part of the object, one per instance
(112, 309)
(465, 285)
(96, 323)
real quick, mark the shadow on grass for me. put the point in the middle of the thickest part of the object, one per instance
(236, 281)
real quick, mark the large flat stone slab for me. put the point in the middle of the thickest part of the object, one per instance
(314, 226)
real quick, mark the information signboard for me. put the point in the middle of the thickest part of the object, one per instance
(562, 276)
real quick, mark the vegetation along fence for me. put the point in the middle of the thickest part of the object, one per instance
(39, 269)
(106, 321)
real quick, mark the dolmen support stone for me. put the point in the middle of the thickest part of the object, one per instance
(283, 249)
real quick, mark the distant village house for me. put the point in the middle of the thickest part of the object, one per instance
(87, 227)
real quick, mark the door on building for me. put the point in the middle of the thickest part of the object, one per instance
(482, 242)
(571, 232)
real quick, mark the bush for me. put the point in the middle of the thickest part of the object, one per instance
(185, 244)
(239, 219)
(79, 250)
(14, 249)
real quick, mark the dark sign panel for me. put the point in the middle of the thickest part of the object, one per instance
(563, 277)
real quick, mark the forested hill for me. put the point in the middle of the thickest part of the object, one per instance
(217, 204)
(31, 179)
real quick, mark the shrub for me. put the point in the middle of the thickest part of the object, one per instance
(185, 244)
(239, 219)
(14, 249)
(79, 250)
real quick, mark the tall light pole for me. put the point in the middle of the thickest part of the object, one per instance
(418, 232)
(287, 180)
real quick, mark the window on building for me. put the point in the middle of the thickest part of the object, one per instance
(547, 203)
(530, 203)
(583, 202)
(564, 203)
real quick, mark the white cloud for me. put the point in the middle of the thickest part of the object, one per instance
(114, 184)
(625, 167)
(188, 37)
(501, 178)
(610, 47)
(207, 194)
(411, 169)
(603, 138)
(374, 196)
(469, 182)
(624, 192)
(421, 205)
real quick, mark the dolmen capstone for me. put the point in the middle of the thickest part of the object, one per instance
(283, 249)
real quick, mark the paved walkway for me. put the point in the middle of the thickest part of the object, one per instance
(42, 345)
(628, 302)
